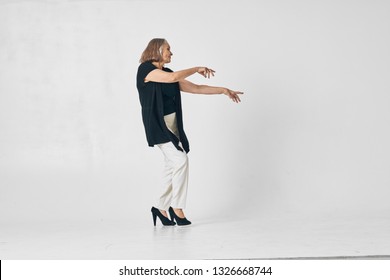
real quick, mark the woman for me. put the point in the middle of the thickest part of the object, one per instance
(159, 92)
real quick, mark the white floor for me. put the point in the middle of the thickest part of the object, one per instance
(205, 239)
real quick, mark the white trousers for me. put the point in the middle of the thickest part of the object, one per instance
(175, 174)
(175, 178)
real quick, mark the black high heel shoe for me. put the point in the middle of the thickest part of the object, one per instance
(179, 221)
(164, 220)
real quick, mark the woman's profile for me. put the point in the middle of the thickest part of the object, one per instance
(159, 91)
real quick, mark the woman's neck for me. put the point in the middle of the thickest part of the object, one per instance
(159, 65)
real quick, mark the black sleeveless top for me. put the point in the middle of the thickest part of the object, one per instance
(169, 90)
(157, 100)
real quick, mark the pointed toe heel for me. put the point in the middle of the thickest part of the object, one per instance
(164, 220)
(179, 221)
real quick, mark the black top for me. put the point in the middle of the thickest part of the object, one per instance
(151, 96)
(169, 91)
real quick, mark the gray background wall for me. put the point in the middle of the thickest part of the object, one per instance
(310, 138)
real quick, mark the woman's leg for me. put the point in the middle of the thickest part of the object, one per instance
(166, 188)
(175, 178)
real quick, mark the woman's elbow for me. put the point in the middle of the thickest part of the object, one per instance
(173, 77)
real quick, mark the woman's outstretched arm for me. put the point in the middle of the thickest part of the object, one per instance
(187, 86)
(161, 76)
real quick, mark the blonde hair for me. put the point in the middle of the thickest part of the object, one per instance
(153, 51)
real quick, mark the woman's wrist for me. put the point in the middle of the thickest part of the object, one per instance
(224, 90)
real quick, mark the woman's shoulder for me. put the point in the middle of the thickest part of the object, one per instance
(146, 67)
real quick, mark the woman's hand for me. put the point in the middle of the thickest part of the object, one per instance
(206, 72)
(233, 95)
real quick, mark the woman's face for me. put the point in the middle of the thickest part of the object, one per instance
(166, 53)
